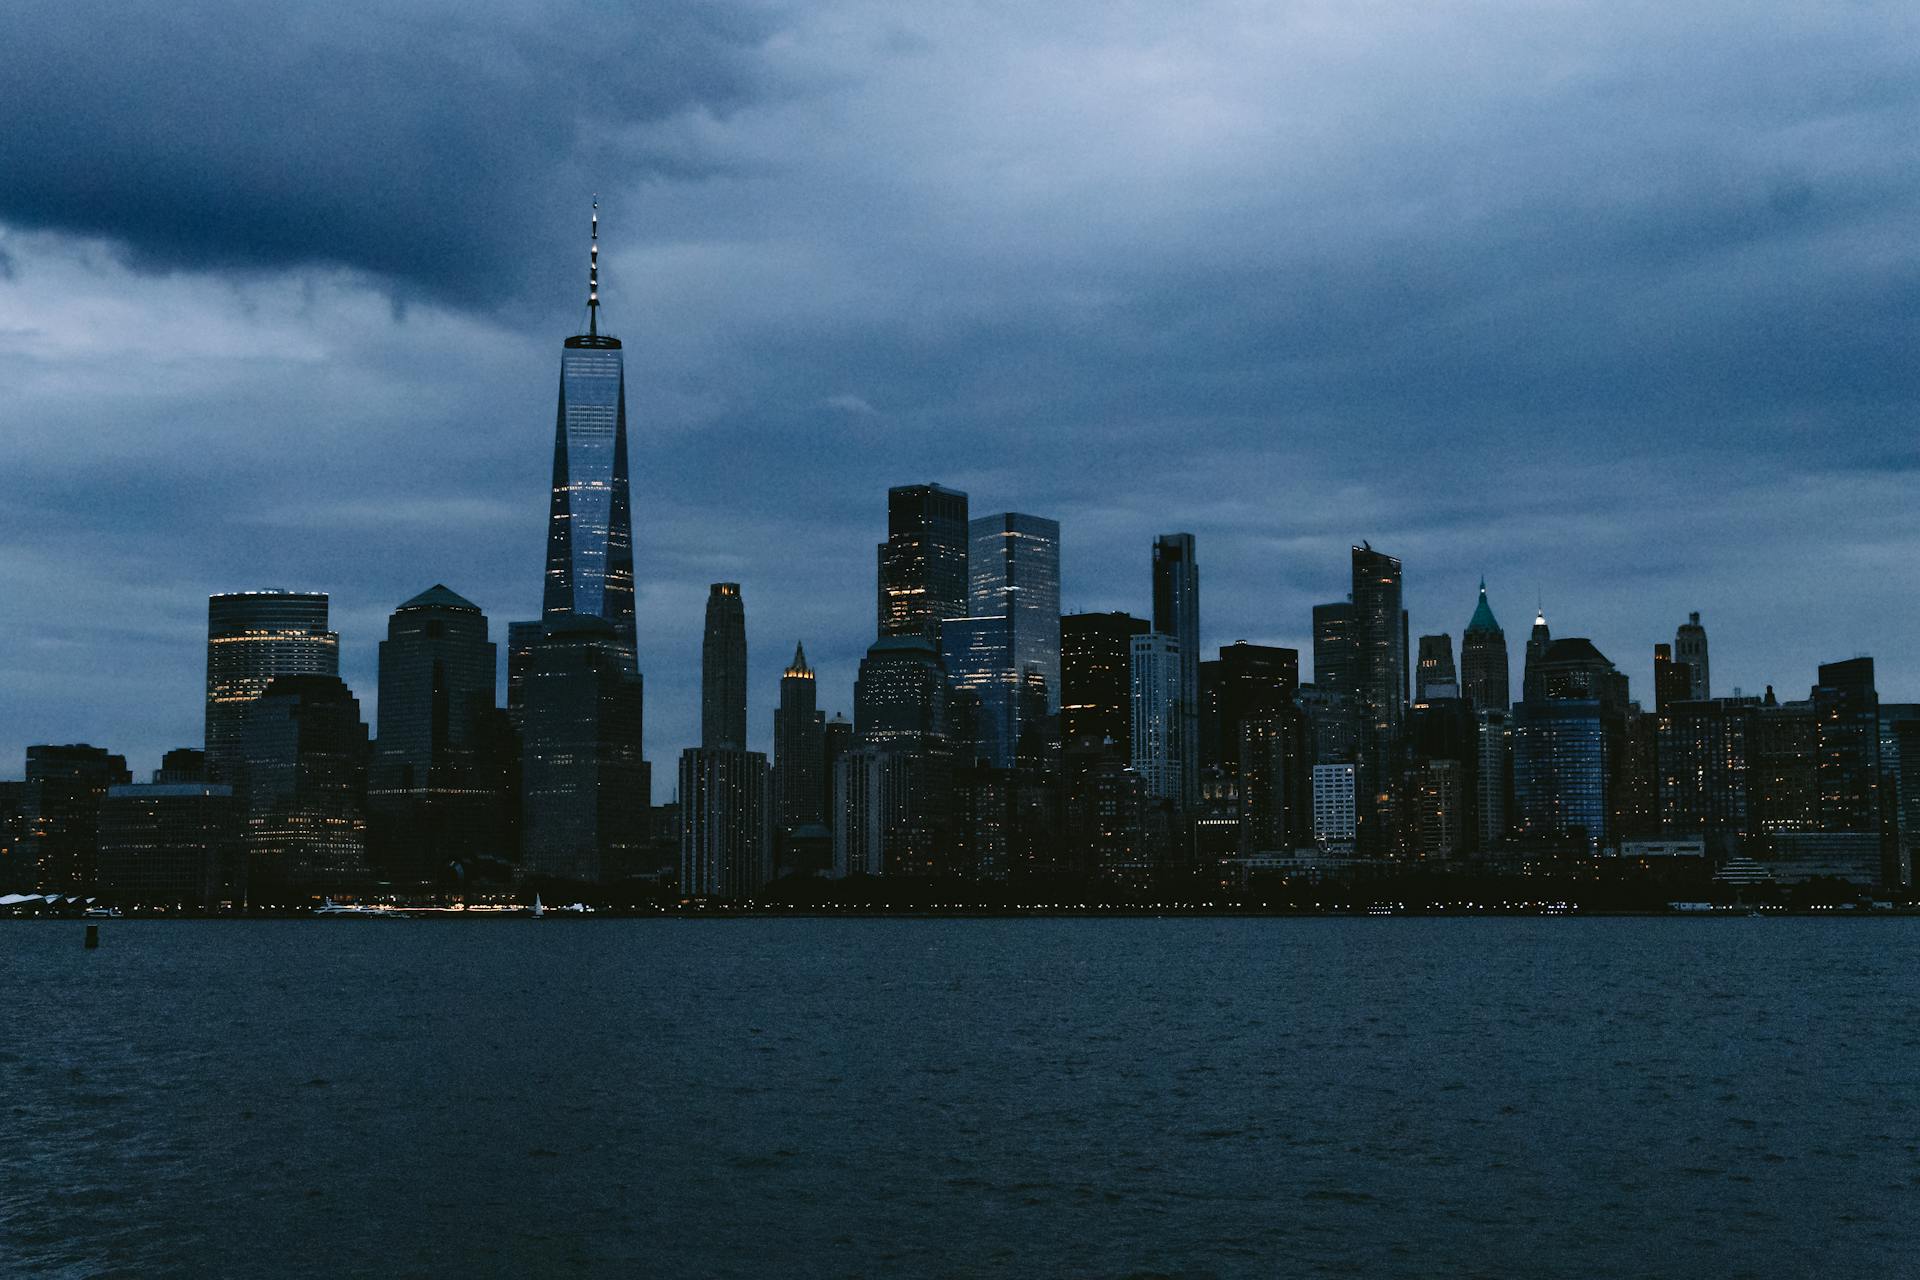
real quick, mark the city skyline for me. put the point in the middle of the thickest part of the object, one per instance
(213, 389)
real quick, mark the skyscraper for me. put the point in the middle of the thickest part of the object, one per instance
(1569, 746)
(1690, 647)
(799, 748)
(1333, 660)
(432, 793)
(923, 562)
(726, 809)
(1483, 659)
(252, 638)
(1096, 676)
(723, 670)
(1380, 678)
(590, 525)
(1846, 710)
(584, 781)
(1247, 683)
(1435, 678)
(1013, 572)
(1176, 613)
(1537, 641)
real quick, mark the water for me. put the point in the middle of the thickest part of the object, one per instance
(1201, 1097)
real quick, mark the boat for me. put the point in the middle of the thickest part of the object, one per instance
(101, 913)
(536, 910)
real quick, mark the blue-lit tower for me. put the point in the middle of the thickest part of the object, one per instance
(590, 527)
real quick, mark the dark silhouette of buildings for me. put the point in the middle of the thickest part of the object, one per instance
(726, 801)
(60, 814)
(171, 843)
(304, 779)
(1435, 677)
(254, 637)
(434, 791)
(1333, 654)
(584, 780)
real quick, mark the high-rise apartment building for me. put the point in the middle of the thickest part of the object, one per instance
(590, 521)
(1483, 659)
(1846, 710)
(254, 637)
(723, 670)
(1176, 613)
(726, 838)
(923, 562)
(1333, 656)
(1336, 822)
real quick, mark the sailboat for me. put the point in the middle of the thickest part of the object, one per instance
(536, 910)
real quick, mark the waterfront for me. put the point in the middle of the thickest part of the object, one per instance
(963, 1097)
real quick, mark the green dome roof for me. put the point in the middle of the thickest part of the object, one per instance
(1483, 613)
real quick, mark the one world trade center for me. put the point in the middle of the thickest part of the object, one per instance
(590, 527)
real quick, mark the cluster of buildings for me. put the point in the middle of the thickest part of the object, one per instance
(992, 738)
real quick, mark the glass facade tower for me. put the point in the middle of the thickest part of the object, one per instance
(1176, 613)
(590, 523)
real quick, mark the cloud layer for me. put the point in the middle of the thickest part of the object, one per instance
(1612, 304)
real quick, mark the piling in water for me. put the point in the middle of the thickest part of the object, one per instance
(93, 936)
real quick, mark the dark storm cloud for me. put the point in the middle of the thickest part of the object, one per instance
(427, 144)
(1612, 304)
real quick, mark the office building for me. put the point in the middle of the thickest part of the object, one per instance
(1493, 777)
(1013, 567)
(1246, 682)
(1537, 641)
(174, 844)
(253, 638)
(923, 562)
(1569, 747)
(590, 521)
(1334, 668)
(1672, 681)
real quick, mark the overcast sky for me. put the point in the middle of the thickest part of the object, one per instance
(1613, 303)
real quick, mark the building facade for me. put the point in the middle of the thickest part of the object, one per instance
(253, 638)
(1176, 614)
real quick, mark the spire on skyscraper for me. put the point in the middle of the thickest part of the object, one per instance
(593, 274)
(799, 667)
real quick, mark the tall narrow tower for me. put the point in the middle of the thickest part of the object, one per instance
(590, 525)
(1690, 647)
(1483, 659)
(1176, 613)
(799, 747)
(723, 671)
